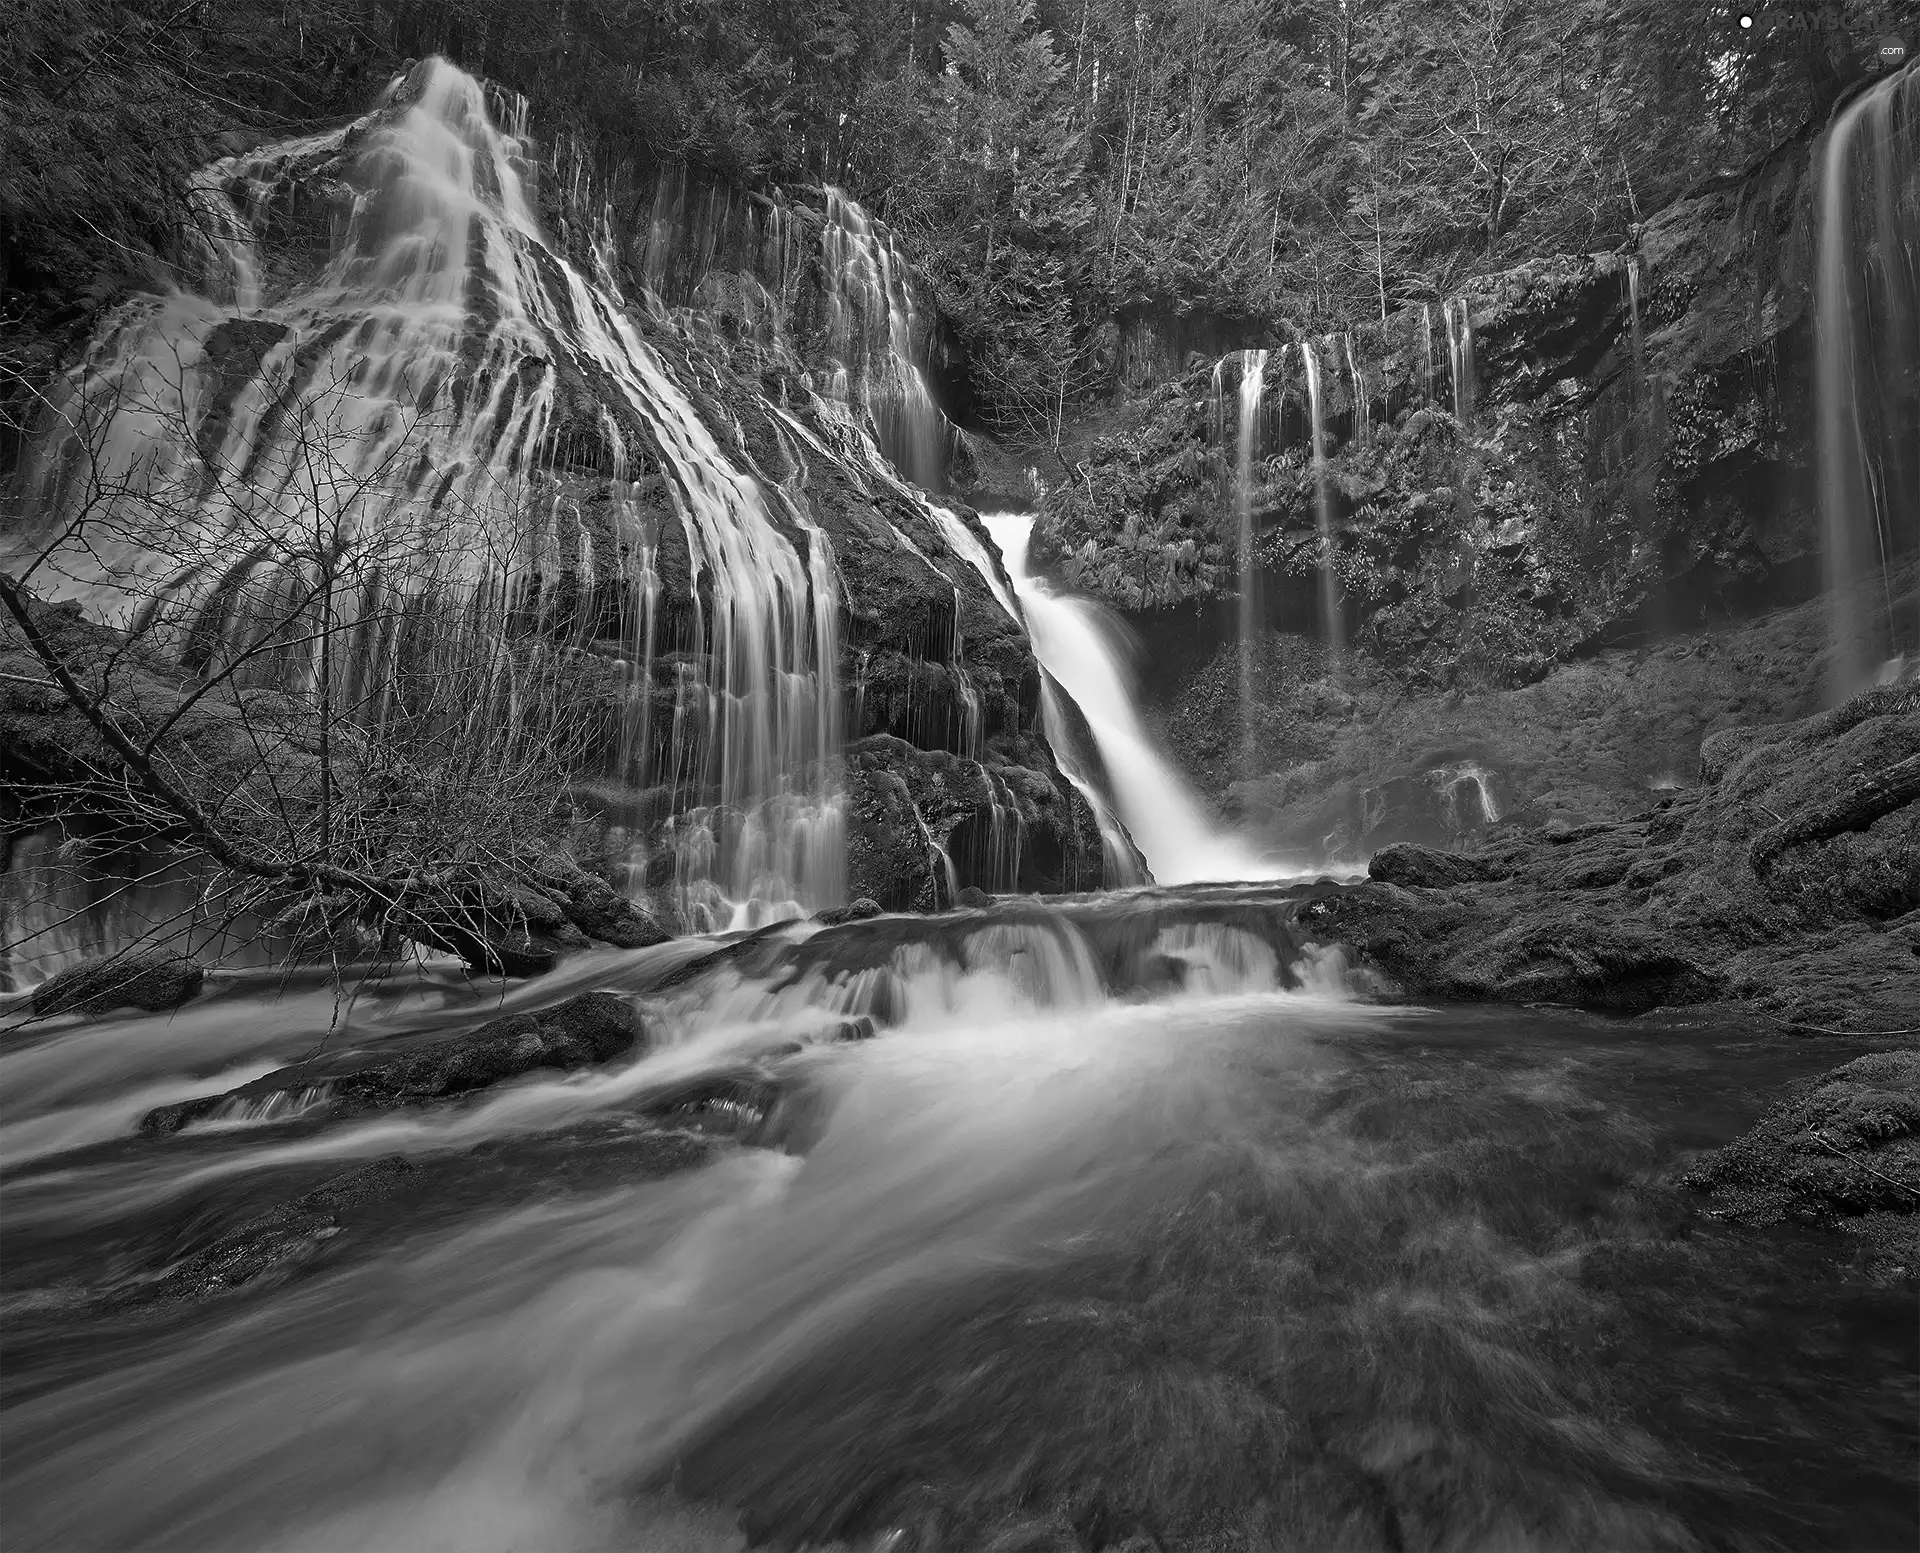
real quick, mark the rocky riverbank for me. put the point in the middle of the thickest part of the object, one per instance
(1341, 760)
(1787, 881)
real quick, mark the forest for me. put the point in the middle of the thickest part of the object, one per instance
(1051, 164)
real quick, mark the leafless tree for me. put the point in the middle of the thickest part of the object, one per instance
(322, 686)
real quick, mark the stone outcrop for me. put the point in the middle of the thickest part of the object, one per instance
(155, 982)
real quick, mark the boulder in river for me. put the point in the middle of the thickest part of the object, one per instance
(854, 911)
(587, 1029)
(155, 981)
(273, 1246)
(1412, 864)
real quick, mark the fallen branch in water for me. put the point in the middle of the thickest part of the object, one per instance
(1870, 1035)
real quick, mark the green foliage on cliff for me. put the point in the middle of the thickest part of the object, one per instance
(998, 197)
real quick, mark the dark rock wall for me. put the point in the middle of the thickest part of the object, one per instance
(1597, 484)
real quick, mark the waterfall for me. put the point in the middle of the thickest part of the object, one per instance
(1459, 324)
(1645, 401)
(1362, 416)
(1633, 306)
(699, 233)
(1322, 509)
(1426, 353)
(1455, 782)
(1253, 367)
(1867, 373)
(409, 422)
(1006, 833)
(1074, 640)
(872, 330)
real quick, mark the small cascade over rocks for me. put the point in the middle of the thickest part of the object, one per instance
(1362, 422)
(1428, 375)
(1867, 376)
(1466, 796)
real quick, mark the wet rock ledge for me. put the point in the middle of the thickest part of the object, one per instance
(1788, 882)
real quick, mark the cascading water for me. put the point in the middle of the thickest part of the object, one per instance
(1867, 375)
(1253, 372)
(1322, 505)
(698, 231)
(1073, 639)
(1633, 312)
(1362, 413)
(1453, 783)
(1459, 324)
(1426, 354)
(872, 333)
(402, 423)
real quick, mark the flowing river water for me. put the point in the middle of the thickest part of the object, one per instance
(1130, 1224)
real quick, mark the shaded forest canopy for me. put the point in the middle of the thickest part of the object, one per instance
(1051, 162)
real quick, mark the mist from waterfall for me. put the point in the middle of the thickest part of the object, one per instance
(1867, 375)
(1076, 641)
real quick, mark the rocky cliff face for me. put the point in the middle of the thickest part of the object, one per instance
(1597, 466)
(1578, 455)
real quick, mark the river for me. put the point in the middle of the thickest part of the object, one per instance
(1133, 1224)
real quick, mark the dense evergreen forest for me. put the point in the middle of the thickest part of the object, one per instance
(1053, 162)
